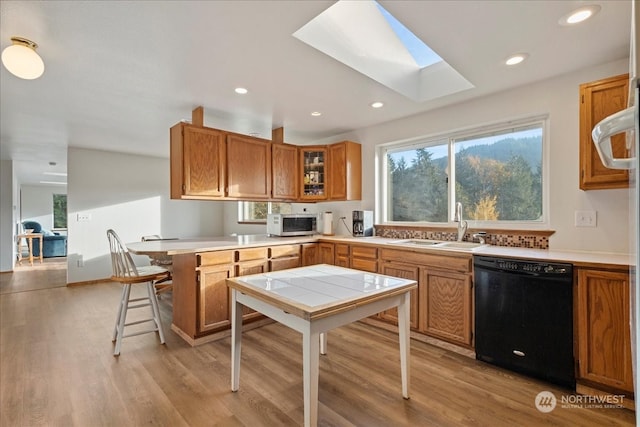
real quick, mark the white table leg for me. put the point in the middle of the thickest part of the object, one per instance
(236, 340)
(323, 343)
(310, 366)
(403, 331)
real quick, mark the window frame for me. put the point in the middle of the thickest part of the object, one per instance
(244, 209)
(382, 195)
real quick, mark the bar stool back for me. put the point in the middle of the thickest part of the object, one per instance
(126, 272)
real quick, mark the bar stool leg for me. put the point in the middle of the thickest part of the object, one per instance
(123, 316)
(153, 298)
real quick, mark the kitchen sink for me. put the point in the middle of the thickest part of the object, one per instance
(440, 244)
(419, 242)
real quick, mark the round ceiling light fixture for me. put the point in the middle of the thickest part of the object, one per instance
(516, 58)
(241, 90)
(316, 113)
(22, 60)
(579, 15)
(377, 104)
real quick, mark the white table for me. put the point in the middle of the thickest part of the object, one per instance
(312, 300)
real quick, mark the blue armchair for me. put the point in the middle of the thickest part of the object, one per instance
(53, 244)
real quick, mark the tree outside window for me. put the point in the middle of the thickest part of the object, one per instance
(256, 212)
(497, 176)
(59, 211)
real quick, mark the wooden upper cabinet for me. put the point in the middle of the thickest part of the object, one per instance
(598, 100)
(197, 162)
(313, 167)
(284, 170)
(248, 167)
(345, 171)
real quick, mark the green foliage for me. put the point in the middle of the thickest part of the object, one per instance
(499, 181)
(59, 211)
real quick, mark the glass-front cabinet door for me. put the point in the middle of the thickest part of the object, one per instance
(313, 166)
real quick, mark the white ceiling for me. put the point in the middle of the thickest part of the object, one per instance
(120, 73)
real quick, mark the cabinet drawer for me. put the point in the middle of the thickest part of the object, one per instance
(364, 252)
(284, 251)
(250, 254)
(342, 249)
(364, 264)
(284, 263)
(446, 262)
(215, 258)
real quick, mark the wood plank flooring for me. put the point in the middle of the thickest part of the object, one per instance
(57, 368)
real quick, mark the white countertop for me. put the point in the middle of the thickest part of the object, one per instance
(207, 244)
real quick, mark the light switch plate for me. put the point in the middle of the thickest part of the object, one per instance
(586, 219)
(84, 217)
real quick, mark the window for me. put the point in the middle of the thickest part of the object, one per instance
(59, 211)
(496, 173)
(256, 212)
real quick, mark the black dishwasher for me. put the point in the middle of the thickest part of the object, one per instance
(524, 317)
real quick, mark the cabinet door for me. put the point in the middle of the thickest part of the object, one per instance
(257, 266)
(403, 271)
(345, 171)
(603, 328)
(248, 167)
(309, 254)
(447, 302)
(313, 161)
(197, 162)
(284, 263)
(598, 100)
(284, 168)
(214, 308)
(326, 253)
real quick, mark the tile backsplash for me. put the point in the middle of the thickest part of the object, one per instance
(538, 239)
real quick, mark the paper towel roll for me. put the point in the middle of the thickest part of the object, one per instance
(327, 224)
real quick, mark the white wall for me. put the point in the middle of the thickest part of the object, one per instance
(129, 194)
(36, 203)
(557, 97)
(8, 216)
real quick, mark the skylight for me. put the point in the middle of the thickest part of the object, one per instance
(422, 54)
(364, 36)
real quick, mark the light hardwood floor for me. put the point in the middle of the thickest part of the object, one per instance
(57, 368)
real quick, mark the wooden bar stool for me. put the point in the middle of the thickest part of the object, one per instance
(126, 272)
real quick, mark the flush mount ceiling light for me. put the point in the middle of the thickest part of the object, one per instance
(22, 60)
(377, 104)
(316, 113)
(579, 15)
(516, 58)
(241, 90)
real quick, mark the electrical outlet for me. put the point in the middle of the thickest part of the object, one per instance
(84, 217)
(586, 219)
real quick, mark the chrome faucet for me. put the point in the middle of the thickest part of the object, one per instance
(462, 225)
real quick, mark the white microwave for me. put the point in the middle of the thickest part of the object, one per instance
(292, 224)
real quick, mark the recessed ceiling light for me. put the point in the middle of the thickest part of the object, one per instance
(579, 15)
(516, 58)
(241, 90)
(316, 113)
(377, 104)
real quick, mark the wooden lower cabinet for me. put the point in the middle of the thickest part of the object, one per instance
(342, 255)
(403, 271)
(245, 268)
(447, 301)
(364, 258)
(310, 254)
(326, 253)
(603, 332)
(213, 305)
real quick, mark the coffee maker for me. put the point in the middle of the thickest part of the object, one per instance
(362, 223)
